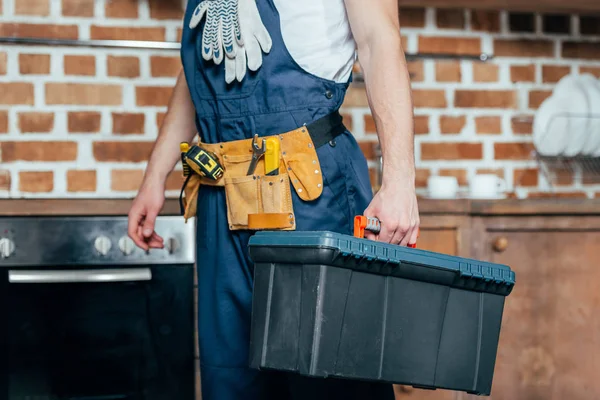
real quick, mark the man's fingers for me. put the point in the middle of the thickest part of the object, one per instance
(414, 236)
(134, 229)
(149, 223)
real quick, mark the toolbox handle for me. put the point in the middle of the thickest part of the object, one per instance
(372, 224)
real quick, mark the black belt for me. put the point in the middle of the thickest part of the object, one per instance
(326, 129)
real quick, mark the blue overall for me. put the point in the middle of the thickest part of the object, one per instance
(277, 98)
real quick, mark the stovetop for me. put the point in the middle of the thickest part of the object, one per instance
(90, 241)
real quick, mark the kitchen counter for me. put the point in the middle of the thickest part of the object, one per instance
(547, 206)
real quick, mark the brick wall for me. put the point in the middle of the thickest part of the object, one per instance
(80, 122)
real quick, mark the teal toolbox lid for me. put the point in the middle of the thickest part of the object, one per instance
(345, 251)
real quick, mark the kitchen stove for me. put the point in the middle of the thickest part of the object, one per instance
(86, 314)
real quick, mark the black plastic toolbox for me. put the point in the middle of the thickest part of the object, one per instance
(326, 304)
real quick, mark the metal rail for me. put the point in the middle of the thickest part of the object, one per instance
(145, 45)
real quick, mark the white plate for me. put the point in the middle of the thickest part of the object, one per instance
(574, 100)
(545, 138)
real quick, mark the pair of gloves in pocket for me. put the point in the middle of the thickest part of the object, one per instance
(233, 32)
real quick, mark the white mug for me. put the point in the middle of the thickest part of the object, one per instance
(487, 186)
(442, 187)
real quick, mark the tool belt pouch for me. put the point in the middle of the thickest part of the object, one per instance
(259, 201)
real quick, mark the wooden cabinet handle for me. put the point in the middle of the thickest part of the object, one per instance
(500, 244)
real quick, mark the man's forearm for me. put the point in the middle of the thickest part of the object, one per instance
(178, 126)
(384, 66)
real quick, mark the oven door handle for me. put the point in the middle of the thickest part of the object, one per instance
(79, 276)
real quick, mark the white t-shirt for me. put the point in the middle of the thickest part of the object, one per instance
(317, 34)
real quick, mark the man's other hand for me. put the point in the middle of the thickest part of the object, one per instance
(397, 210)
(143, 213)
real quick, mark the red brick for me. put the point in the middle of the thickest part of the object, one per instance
(485, 21)
(80, 65)
(448, 18)
(121, 9)
(122, 151)
(36, 122)
(126, 180)
(554, 73)
(421, 177)
(124, 67)
(412, 17)
(160, 118)
(488, 125)
(369, 124)
(5, 181)
(3, 121)
(13, 93)
(537, 97)
(38, 151)
(81, 181)
(153, 95)
(459, 174)
(355, 97)
(368, 149)
(513, 151)
(448, 71)
(452, 125)
(78, 8)
(83, 94)
(423, 98)
(346, 119)
(525, 177)
(128, 123)
(439, 44)
(522, 73)
(416, 70)
(174, 181)
(523, 48)
(421, 124)
(498, 172)
(590, 70)
(3, 62)
(46, 31)
(160, 9)
(127, 33)
(451, 151)
(38, 64)
(581, 50)
(36, 181)
(179, 34)
(485, 72)
(84, 122)
(521, 127)
(32, 7)
(485, 99)
(165, 66)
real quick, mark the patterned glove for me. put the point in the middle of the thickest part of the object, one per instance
(221, 30)
(236, 27)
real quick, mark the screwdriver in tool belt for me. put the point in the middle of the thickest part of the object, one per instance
(272, 157)
(371, 224)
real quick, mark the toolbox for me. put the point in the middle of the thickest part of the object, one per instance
(333, 305)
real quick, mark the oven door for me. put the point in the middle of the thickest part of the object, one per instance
(103, 333)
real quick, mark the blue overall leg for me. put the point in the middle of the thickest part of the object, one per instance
(279, 97)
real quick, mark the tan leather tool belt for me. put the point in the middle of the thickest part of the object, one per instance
(259, 201)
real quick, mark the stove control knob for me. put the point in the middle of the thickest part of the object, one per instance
(7, 247)
(171, 245)
(126, 245)
(102, 245)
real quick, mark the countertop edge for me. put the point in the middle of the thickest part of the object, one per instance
(99, 207)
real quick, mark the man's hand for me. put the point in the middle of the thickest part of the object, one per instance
(399, 224)
(376, 29)
(143, 213)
